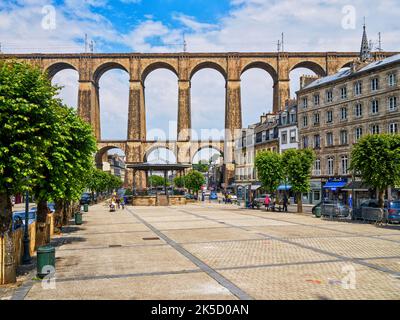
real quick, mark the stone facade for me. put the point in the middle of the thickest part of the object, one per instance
(334, 112)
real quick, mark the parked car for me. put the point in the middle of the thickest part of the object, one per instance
(19, 218)
(86, 198)
(391, 209)
(213, 196)
(260, 199)
(332, 209)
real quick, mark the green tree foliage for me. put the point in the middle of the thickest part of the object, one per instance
(179, 182)
(297, 165)
(157, 181)
(201, 167)
(194, 180)
(377, 159)
(28, 115)
(101, 181)
(269, 169)
(68, 161)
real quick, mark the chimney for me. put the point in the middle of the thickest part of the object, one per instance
(305, 80)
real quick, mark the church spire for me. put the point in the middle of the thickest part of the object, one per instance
(365, 52)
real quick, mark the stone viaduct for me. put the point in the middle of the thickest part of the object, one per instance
(139, 65)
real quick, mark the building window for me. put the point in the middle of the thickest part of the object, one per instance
(284, 119)
(343, 113)
(345, 165)
(393, 127)
(343, 92)
(316, 118)
(305, 102)
(375, 129)
(358, 110)
(392, 101)
(317, 141)
(305, 142)
(317, 167)
(293, 136)
(329, 116)
(358, 133)
(316, 100)
(329, 139)
(284, 137)
(358, 88)
(292, 117)
(330, 164)
(343, 137)
(264, 135)
(374, 106)
(374, 84)
(329, 96)
(305, 121)
(392, 80)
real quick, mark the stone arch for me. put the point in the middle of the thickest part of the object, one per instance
(347, 64)
(311, 65)
(54, 68)
(261, 65)
(103, 150)
(206, 146)
(107, 66)
(156, 146)
(157, 65)
(208, 65)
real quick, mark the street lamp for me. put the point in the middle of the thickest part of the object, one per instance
(27, 256)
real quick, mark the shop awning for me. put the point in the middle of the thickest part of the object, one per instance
(356, 186)
(284, 187)
(255, 187)
(333, 185)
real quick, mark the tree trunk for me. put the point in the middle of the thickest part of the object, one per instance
(9, 267)
(381, 195)
(42, 226)
(58, 216)
(299, 203)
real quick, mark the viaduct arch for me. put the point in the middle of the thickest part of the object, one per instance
(138, 65)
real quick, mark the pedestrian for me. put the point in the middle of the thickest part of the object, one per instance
(267, 201)
(122, 201)
(285, 203)
(118, 202)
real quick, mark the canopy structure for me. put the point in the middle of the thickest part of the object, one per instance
(333, 185)
(284, 187)
(356, 186)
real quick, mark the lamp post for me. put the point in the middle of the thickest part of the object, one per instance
(27, 256)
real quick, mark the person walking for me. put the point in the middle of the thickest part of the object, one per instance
(267, 202)
(285, 203)
(118, 202)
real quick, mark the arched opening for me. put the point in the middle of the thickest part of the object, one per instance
(160, 155)
(112, 159)
(161, 96)
(256, 93)
(209, 161)
(346, 66)
(208, 104)
(68, 80)
(114, 102)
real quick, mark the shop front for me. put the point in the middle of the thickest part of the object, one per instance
(314, 195)
(334, 190)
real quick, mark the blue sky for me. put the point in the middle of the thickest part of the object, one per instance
(209, 26)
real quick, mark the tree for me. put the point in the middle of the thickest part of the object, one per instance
(179, 182)
(68, 162)
(269, 169)
(297, 165)
(376, 158)
(201, 167)
(27, 116)
(157, 181)
(194, 180)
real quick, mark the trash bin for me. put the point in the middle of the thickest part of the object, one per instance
(318, 212)
(86, 207)
(78, 218)
(46, 260)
